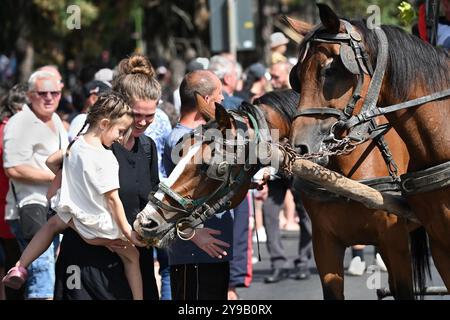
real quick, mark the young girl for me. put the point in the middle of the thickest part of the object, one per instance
(88, 200)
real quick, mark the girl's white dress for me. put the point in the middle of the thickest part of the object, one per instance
(88, 173)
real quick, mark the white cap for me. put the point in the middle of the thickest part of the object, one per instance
(105, 75)
(278, 39)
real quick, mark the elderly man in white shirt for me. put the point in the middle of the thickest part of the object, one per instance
(30, 137)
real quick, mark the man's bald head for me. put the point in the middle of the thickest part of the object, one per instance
(205, 82)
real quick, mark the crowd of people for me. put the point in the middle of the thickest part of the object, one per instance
(81, 163)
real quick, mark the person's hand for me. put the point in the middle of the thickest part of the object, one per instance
(136, 239)
(204, 239)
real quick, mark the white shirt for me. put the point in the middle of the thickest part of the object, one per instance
(88, 173)
(29, 141)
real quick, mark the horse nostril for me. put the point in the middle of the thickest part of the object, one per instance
(151, 224)
(146, 221)
(301, 148)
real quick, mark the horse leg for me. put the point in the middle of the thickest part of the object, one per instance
(433, 210)
(441, 260)
(329, 256)
(394, 249)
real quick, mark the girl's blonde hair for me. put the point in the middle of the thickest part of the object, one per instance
(135, 79)
(112, 106)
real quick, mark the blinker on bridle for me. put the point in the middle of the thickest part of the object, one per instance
(356, 60)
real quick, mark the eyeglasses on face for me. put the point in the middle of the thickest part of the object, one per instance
(44, 94)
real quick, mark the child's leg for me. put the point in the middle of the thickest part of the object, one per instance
(130, 259)
(41, 241)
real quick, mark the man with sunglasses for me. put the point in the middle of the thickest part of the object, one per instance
(30, 137)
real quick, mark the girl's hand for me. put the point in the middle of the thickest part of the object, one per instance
(136, 239)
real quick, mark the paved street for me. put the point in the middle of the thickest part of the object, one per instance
(290, 289)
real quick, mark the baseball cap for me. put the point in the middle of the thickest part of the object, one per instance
(96, 87)
(105, 75)
(278, 39)
(257, 70)
(199, 63)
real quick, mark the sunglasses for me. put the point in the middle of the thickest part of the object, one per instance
(44, 94)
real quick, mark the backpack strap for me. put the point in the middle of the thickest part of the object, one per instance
(151, 153)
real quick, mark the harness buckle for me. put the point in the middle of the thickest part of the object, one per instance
(404, 186)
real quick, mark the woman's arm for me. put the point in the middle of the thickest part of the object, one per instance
(118, 213)
(55, 185)
(54, 162)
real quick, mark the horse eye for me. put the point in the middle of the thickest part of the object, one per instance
(327, 70)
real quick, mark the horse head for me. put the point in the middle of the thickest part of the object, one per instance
(213, 174)
(332, 73)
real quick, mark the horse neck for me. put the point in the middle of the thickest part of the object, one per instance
(424, 129)
(363, 163)
(276, 122)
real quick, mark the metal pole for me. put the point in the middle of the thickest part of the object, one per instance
(232, 30)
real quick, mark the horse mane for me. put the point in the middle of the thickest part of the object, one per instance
(410, 59)
(285, 102)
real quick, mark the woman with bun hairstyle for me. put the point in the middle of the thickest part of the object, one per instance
(86, 272)
(88, 199)
(98, 272)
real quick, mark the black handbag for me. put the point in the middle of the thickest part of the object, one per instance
(31, 217)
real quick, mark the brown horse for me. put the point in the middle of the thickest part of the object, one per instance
(339, 223)
(336, 225)
(348, 70)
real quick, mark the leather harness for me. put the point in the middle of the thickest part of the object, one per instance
(362, 126)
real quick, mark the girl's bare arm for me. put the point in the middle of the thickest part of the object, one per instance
(118, 214)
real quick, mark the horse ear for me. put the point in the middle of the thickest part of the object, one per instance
(301, 27)
(328, 18)
(223, 118)
(206, 109)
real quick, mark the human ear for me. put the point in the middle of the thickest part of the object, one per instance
(104, 124)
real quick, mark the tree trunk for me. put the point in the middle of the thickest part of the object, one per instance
(25, 59)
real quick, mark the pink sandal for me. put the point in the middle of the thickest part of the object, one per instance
(16, 277)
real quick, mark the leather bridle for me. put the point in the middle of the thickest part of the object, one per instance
(231, 174)
(362, 126)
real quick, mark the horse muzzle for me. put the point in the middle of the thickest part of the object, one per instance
(304, 149)
(155, 233)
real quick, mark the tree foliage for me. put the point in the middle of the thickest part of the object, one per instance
(358, 8)
(36, 30)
